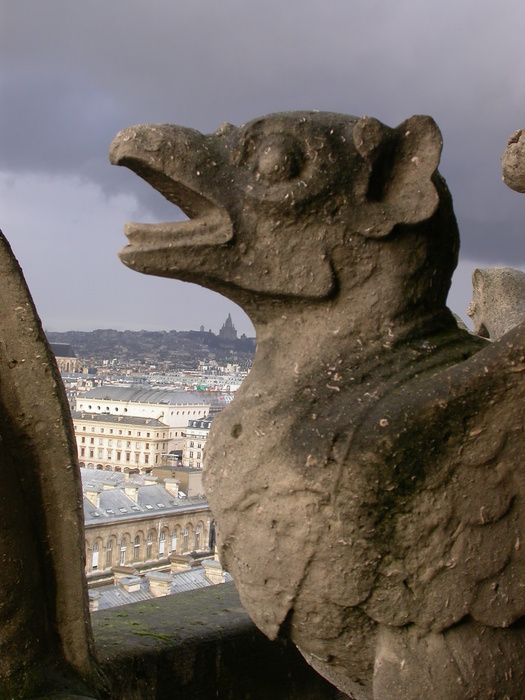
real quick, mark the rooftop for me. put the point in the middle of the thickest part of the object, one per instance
(114, 504)
(203, 423)
(181, 582)
(123, 420)
(139, 393)
(62, 350)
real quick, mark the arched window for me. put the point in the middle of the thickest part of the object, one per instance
(109, 552)
(174, 541)
(211, 536)
(185, 540)
(197, 537)
(162, 543)
(149, 546)
(94, 560)
(123, 551)
(136, 548)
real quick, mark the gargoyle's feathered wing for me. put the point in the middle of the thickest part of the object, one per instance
(445, 455)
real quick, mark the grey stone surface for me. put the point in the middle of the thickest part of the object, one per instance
(513, 162)
(368, 478)
(45, 635)
(498, 300)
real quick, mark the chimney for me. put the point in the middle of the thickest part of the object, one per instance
(172, 486)
(131, 491)
(213, 571)
(179, 562)
(159, 583)
(149, 480)
(93, 600)
(93, 496)
(131, 584)
(120, 572)
(108, 485)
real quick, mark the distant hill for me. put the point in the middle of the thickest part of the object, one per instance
(181, 348)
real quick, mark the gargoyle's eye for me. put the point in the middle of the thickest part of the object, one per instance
(279, 158)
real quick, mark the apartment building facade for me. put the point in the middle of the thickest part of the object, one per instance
(119, 443)
(173, 408)
(195, 436)
(139, 522)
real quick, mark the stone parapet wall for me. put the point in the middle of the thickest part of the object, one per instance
(198, 646)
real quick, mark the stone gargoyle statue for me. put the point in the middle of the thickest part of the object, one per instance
(369, 478)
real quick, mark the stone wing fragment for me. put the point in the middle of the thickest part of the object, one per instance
(451, 493)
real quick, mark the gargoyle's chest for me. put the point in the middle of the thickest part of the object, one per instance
(302, 432)
(295, 435)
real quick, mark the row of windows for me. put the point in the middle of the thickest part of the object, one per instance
(118, 455)
(113, 467)
(144, 549)
(119, 432)
(125, 410)
(128, 445)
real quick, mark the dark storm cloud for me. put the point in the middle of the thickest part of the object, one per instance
(72, 74)
(51, 124)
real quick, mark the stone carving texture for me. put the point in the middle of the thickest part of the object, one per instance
(513, 162)
(498, 300)
(368, 478)
(45, 635)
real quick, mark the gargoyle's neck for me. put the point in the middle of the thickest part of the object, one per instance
(307, 338)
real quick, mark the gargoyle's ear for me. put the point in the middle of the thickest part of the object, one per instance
(400, 163)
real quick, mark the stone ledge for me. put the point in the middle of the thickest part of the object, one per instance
(198, 646)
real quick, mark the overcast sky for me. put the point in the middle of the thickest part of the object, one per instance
(74, 73)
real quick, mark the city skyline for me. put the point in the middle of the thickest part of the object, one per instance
(199, 327)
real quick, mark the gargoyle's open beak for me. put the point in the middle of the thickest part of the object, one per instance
(176, 162)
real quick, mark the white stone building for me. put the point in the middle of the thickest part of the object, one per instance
(195, 436)
(119, 443)
(171, 407)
